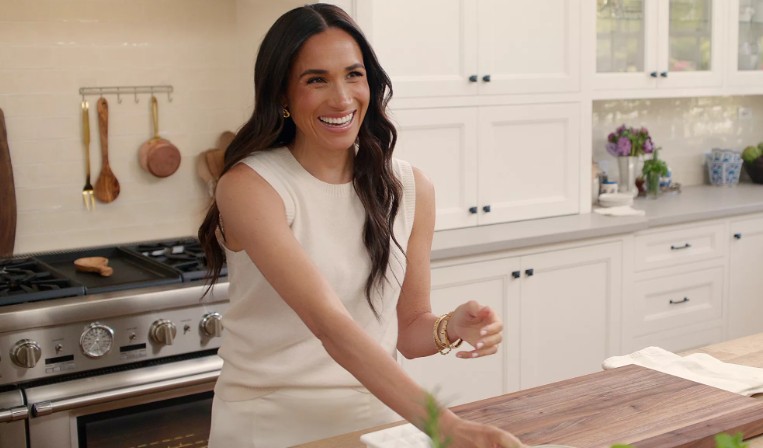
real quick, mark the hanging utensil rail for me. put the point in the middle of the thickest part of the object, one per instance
(127, 90)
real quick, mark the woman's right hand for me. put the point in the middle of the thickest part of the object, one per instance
(467, 434)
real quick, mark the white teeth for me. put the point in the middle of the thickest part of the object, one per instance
(337, 121)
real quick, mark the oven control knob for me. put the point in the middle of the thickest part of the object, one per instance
(163, 332)
(211, 324)
(26, 353)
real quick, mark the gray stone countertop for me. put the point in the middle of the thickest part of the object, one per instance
(694, 203)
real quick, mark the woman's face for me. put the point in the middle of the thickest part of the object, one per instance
(328, 92)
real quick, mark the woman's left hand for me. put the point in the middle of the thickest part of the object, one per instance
(479, 326)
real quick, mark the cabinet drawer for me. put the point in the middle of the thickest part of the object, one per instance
(670, 301)
(682, 245)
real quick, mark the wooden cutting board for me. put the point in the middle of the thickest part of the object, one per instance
(631, 404)
(7, 195)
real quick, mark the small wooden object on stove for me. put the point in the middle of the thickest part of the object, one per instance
(99, 265)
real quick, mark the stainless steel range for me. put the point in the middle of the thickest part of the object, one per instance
(124, 360)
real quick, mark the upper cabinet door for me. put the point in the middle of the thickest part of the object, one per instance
(427, 47)
(529, 161)
(658, 44)
(745, 65)
(433, 48)
(529, 46)
(442, 143)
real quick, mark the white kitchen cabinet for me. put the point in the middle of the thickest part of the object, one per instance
(494, 164)
(745, 56)
(454, 380)
(559, 309)
(746, 276)
(653, 47)
(675, 295)
(569, 312)
(468, 47)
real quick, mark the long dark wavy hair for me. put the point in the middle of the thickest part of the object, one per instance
(373, 177)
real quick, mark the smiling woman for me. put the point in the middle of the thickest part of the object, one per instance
(327, 240)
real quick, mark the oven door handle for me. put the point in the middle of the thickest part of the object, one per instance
(13, 414)
(65, 404)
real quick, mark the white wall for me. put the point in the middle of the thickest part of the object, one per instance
(685, 128)
(49, 49)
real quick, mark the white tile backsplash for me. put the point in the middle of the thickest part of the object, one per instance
(685, 128)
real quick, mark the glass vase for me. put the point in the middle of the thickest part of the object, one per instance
(627, 169)
(652, 185)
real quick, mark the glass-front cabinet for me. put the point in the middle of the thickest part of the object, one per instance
(746, 44)
(657, 44)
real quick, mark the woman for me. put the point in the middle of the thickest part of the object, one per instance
(327, 242)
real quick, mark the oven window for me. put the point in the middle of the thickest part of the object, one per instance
(178, 422)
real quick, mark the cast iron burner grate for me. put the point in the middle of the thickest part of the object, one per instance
(184, 255)
(27, 280)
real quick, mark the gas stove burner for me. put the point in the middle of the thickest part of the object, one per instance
(27, 280)
(184, 255)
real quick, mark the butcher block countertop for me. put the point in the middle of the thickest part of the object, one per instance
(695, 401)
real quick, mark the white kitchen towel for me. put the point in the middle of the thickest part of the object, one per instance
(698, 367)
(622, 210)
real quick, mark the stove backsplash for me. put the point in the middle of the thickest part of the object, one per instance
(49, 49)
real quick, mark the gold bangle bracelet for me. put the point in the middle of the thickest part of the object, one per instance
(435, 336)
(444, 345)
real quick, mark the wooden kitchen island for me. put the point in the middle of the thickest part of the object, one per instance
(744, 351)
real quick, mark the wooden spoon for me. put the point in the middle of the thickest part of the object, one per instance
(99, 265)
(106, 186)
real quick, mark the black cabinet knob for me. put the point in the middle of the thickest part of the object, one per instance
(529, 272)
(472, 210)
(473, 78)
(664, 74)
(515, 274)
(653, 74)
(738, 236)
(486, 78)
(486, 208)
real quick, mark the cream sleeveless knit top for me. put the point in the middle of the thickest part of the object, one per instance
(265, 344)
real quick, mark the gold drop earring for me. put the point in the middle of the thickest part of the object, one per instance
(285, 113)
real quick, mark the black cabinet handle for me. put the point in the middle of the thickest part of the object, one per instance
(515, 274)
(653, 74)
(486, 208)
(472, 210)
(529, 272)
(685, 246)
(664, 74)
(486, 78)
(676, 302)
(473, 78)
(738, 236)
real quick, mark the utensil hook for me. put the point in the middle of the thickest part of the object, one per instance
(119, 97)
(135, 92)
(169, 96)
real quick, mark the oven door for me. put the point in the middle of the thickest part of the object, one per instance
(13, 416)
(163, 405)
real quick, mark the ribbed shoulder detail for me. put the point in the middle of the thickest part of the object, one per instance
(404, 172)
(276, 168)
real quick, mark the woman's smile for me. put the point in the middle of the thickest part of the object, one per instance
(338, 122)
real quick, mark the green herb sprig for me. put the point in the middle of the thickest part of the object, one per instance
(432, 423)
